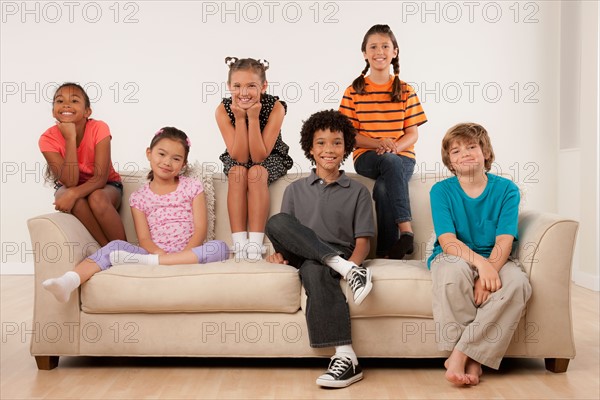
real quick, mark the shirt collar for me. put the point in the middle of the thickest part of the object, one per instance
(342, 180)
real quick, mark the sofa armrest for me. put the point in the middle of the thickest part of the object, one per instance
(545, 249)
(59, 242)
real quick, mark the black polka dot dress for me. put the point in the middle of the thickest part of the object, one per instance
(278, 162)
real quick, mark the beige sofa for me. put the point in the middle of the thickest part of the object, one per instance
(243, 309)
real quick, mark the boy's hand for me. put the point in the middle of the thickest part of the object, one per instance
(277, 258)
(67, 129)
(480, 293)
(489, 277)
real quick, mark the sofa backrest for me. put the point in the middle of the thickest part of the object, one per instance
(419, 187)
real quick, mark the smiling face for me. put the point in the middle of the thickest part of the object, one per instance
(246, 87)
(466, 158)
(328, 152)
(379, 52)
(167, 159)
(69, 105)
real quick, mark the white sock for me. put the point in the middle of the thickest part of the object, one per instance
(256, 237)
(125, 257)
(239, 241)
(348, 351)
(255, 248)
(339, 265)
(62, 287)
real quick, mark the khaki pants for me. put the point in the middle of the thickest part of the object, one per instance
(481, 332)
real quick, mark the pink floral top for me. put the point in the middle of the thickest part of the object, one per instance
(170, 217)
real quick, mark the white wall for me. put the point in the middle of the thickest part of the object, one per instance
(152, 63)
(578, 156)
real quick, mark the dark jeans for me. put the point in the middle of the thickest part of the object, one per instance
(391, 173)
(327, 313)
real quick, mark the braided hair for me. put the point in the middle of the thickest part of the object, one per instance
(359, 83)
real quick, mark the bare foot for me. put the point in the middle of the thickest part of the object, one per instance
(473, 371)
(455, 368)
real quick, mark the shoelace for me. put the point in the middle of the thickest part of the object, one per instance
(357, 278)
(338, 365)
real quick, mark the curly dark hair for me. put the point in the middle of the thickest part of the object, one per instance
(327, 119)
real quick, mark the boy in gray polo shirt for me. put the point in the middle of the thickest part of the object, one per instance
(323, 229)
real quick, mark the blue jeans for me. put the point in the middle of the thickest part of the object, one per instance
(392, 204)
(327, 313)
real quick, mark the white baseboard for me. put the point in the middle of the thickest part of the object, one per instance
(586, 280)
(16, 268)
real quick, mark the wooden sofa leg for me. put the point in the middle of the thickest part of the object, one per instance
(46, 363)
(557, 364)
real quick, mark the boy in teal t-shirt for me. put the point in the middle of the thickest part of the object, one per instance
(475, 285)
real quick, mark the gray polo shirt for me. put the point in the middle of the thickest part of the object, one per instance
(338, 212)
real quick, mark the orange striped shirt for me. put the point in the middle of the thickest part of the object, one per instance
(375, 115)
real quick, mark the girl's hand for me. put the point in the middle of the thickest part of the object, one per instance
(480, 293)
(67, 129)
(254, 110)
(386, 145)
(238, 112)
(277, 258)
(489, 277)
(66, 201)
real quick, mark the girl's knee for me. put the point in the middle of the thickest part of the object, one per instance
(237, 176)
(212, 251)
(258, 176)
(81, 205)
(118, 245)
(99, 201)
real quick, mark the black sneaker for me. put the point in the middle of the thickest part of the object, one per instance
(341, 373)
(359, 281)
(403, 246)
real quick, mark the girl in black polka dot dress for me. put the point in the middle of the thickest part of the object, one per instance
(250, 122)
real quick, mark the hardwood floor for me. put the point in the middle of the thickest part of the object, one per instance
(120, 378)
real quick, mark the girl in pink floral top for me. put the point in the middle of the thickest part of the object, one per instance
(169, 213)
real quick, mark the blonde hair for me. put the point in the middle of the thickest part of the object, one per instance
(468, 132)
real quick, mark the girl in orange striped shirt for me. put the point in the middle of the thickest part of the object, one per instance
(386, 113)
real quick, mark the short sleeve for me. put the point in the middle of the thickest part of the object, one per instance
(347, 107)
(194, 187)
(283, 103)
(440, 210)
(509, 212)
(50, 142)
(136, 200)
(101, 130)
(414, 114)
(364, 225)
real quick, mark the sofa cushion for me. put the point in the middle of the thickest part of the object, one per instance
(400, 289)
(217, 287)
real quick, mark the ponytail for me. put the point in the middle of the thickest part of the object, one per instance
(359, 83)
(396, 85)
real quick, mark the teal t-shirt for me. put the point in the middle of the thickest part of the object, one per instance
(475, 221)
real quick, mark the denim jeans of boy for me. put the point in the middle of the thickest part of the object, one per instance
(392, 204)
(327, 313)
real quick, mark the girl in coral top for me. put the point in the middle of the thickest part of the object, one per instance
(386, 113)
(77, 150)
